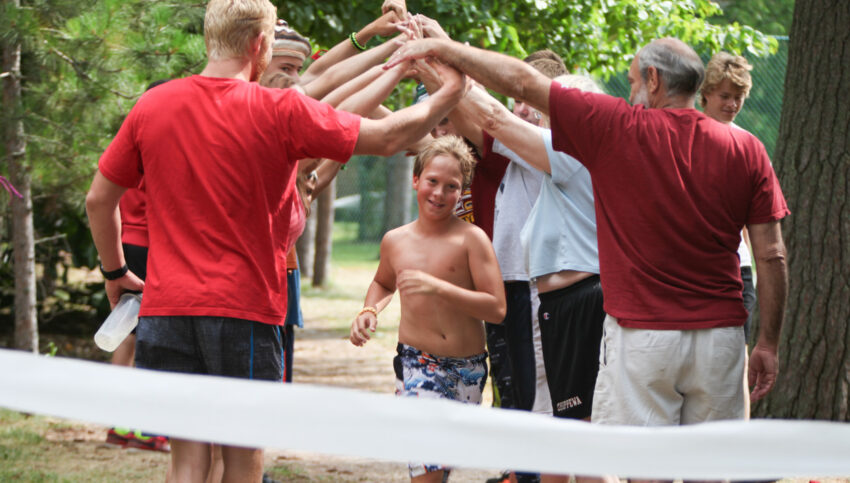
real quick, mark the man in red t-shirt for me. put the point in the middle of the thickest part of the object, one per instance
(673, 189)
(218, 153)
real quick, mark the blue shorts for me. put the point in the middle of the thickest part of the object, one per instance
(421, 374)
(216, 346)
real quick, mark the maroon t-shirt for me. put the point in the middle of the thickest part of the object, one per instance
(489, 172)
(219, 158)
(672, 190)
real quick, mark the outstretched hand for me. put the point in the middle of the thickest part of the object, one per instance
(397, 6)
(451, 78)
(431, 28)
(763, 369)
(412, 50)
(387, 24)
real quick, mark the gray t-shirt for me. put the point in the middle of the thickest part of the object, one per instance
(514, 200)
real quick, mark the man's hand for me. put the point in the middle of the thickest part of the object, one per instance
(431, 28)
(397, 6)
(364, 323)
(412, 50)
(428, 75)
(453, 80)
(417, 282)
(763, 368)
(128, 283)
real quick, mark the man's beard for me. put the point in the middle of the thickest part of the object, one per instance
(642, 97)
(259, 66)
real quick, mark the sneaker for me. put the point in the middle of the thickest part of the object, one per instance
(119, 436)
(149, 442)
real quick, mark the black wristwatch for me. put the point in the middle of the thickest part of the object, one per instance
(114, 274)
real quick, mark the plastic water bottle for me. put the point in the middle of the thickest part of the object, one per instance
(120, 322)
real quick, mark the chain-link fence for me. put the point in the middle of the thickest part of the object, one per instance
(762, 109)
(361, 204)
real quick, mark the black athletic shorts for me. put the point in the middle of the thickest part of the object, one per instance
(571, 330)
(216, 346)
(136, 258)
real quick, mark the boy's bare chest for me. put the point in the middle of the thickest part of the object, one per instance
(447, 260)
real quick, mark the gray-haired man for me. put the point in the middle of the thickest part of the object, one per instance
(672, 191)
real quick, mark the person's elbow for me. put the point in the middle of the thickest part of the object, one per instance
(498, 312)
(103, 196)
(377, 138)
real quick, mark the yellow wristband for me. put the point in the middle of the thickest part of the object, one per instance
(368, 309)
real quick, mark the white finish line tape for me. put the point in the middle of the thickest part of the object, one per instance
(348, 422)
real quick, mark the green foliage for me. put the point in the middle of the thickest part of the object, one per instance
(599, 37)
(770, 16)
(86, 62)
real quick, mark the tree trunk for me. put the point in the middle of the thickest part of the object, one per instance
(26, 321)
(306, 246)
(399, 194)
(813, 164)
(324, 235)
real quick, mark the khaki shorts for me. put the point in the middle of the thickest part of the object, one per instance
(669, 377)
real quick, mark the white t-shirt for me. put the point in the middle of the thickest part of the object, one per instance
(743, 249)
(560, 233)
(514, 200)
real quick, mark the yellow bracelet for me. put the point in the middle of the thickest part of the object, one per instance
(368, 309)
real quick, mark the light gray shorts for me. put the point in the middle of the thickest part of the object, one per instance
(669, 377)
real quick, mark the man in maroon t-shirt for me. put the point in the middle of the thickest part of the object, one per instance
(672, 188)
(219, 153)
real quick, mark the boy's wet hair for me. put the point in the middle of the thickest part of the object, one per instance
(450, 145)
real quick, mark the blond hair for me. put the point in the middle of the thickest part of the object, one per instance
(722, 66)
(580, 82)
(450, 145)
(231, 25)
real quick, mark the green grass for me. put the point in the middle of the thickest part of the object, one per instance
(29, 454)
(348, 251)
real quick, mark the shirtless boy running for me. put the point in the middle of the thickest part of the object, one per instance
(449, 280)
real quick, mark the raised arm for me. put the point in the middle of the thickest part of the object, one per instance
(337, 74)
(385, 25)
(769, 254)
(501, 73)
(105, 221)
(519, 136)
(486, 301)
(400, 129)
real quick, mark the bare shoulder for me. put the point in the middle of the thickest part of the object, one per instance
(473, 235)
(396, 237)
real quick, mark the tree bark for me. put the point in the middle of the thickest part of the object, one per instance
(813, 164)
(324, 235)
(399, 194)
(23, 244)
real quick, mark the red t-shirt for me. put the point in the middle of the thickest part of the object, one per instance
(672, 190)
(219, 157)
(134, 225)
(489, 172)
